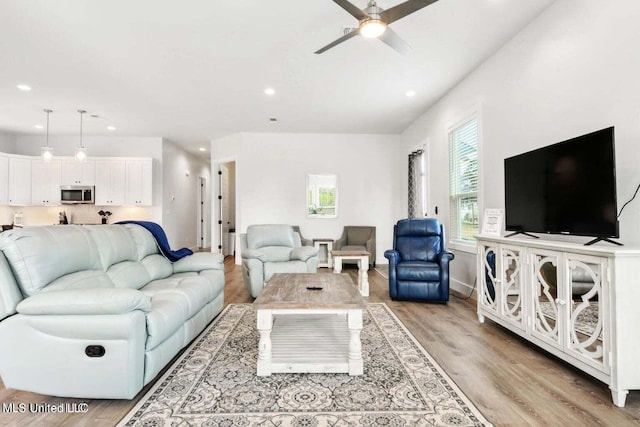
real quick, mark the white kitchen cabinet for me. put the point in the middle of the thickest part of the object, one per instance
(19, 191)
(139, 178)
(45, 182)
(4, 179)
(78, 173)
(110, 182)
(576, 302)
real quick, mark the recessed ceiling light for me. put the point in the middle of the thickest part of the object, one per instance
(111, 128)
(202, 149)
(270, 91)
(38, 126)
(410, 93)
(23, 87)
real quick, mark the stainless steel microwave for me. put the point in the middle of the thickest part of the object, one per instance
(77, 194)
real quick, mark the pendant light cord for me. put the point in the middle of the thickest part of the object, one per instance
(81, 113)
(48, 111)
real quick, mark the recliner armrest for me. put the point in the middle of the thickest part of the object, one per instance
(303, 253)
(444, 257)
(392, 255)
(94, 301)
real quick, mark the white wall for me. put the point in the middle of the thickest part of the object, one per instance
(7, 142)
(180, 183)
(271, 180)
(574, 70)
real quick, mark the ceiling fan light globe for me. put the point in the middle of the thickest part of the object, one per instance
(372, 28)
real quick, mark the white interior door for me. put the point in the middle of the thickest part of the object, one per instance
(224, 209)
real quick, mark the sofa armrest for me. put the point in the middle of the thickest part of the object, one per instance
(95, 301)
(254, 254)
(199, 261)
(303, 253)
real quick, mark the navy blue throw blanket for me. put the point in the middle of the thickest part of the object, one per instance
(161, 239)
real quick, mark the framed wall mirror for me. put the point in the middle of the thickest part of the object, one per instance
(322, 196)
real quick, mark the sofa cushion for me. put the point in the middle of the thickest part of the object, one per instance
(418, 271)
(114, 244)
(80, 280)
(85, 302)
(129, 274)
(157, 266)
(175, 300)
(199, 261)
(145, 243)
(40, 255)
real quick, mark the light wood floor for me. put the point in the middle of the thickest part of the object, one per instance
(510, 381)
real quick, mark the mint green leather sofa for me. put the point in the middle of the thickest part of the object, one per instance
(273, 248)
(97, 311)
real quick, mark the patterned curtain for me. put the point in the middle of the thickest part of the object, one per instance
(416, 192)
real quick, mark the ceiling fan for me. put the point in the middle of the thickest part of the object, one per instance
(374, 21)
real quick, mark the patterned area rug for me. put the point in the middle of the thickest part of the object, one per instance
(214, 384)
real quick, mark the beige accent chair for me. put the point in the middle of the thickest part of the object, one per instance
(358, 238)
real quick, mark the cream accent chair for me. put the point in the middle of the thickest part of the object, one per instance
(358, 238)
(273, 248)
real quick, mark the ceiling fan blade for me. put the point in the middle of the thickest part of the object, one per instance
(403, 9)
(392, 38)
(352, 9)
(338, 41)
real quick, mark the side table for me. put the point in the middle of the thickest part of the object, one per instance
(363, 265)
(328, 260)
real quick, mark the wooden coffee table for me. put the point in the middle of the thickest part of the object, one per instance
(363, 266)
(309, 331)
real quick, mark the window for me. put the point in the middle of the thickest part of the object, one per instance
(463, 181)
(322, 196)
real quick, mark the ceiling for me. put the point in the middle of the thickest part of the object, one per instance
(194, 71)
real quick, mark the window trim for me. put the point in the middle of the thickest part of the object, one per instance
(471, 113)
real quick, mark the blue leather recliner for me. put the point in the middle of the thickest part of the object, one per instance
(419, 261)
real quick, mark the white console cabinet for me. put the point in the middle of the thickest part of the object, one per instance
(577, 302)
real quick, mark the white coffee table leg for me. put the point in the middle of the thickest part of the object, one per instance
(337, 264)
(265, 324)
(363, 276)
(354, 321)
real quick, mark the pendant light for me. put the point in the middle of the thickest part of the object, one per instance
(47, 151)
(81, 152)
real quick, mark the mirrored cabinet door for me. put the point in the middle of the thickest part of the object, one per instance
(489, 279)
(546, 300)
(587, 291)
(512, 285)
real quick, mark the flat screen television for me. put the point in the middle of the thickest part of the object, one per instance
(564, 188)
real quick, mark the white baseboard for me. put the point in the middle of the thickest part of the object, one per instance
(462, 287)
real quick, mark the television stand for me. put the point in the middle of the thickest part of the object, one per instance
(522, 232)
(544, 291)
(603, 239)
